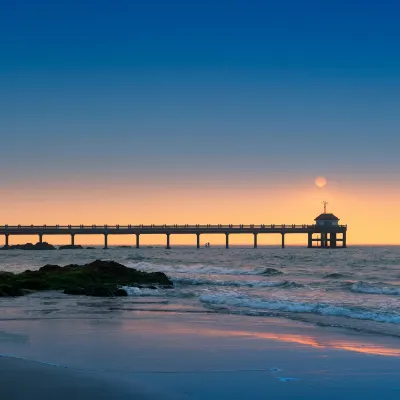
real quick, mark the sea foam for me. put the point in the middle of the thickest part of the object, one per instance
(234, 283)
(364, 287)
(297, 307)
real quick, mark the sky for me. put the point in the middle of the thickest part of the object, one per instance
(201, 112)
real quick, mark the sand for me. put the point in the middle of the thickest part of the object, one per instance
(110, 353)
(22, 379)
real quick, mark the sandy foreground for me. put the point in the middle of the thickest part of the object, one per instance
(23, 379)
(177, 355)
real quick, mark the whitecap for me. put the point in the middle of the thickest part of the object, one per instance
(297, 307)
(364, 287)
(234, 283)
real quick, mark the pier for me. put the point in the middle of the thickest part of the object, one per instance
(318, 235)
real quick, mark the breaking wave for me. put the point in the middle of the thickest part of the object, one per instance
(234, 283)
(197, 269)
(296, 307)
(146, 292)
(364, 287)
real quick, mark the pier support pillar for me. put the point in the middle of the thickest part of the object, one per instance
(325, 242)
(283, 240)
(40, 238)
(198, 240)
(106, 241)
(73, 239)
(332, 240)
(7, 241)
(344, 239)
(168, 242)
(227, 240)
(309, 240)
(138, 240)
(255, 240)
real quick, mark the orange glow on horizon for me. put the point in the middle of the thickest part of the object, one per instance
(368, 212)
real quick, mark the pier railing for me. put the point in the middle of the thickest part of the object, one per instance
(168, 230)
(240, 226)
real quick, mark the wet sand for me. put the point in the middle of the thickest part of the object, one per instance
(142, 355)
(23, 379)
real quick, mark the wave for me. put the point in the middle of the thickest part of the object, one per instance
(296, 307)
(136, 257)
(197, 269)
(146, 292)
(369, 288)
(235, 283)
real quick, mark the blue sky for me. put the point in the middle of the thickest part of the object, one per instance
(233, 89)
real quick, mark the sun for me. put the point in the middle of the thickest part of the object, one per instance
(320, 181)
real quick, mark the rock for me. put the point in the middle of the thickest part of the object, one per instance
(48, 268)
(124, 247)
(100, 291)
(334, 275)
(271, 272)
(10, 291)
(30, 246)
(71, 247)
(121, 293)
(90, 248)
(99, 278)
(75, 291)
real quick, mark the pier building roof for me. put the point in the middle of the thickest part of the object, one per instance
(327, 217)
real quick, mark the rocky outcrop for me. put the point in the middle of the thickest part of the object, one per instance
(71, 247)
(99, 278)
(30, 246)
(271, 272)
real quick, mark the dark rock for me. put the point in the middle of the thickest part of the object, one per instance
(100, 291)
(334, 275)
(124, 247)
(71, 247)
(90, 248)
(10, 291)
(99, 278)
(30, 246)
(72, 266)
(48, 268)
(271, 272)
(75, 291)
(5, 275)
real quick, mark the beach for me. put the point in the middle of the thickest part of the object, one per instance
(176, 345)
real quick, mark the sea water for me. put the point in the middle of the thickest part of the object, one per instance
(357, 288)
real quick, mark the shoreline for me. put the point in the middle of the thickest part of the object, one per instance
(194, 357)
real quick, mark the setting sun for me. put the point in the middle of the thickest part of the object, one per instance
(320, 181)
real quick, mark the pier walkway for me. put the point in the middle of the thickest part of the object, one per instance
(328, 236)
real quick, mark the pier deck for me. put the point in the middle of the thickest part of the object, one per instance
(328, 234)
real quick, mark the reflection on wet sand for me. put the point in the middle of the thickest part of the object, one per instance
(358, 347)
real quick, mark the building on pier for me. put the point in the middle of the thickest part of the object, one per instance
(327, 219)
(327, 224)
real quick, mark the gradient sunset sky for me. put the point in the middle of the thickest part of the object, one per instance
(201, 112)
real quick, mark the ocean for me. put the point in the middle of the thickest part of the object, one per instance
(357, 288)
